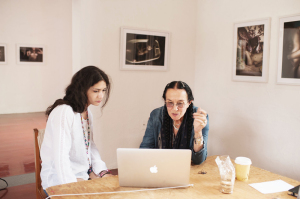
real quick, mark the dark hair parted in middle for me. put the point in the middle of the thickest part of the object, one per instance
(76, 92)
(167, 120)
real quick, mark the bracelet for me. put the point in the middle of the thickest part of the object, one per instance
(198, 141)
(104, 172)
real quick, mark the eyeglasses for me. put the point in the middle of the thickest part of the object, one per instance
(171, 104)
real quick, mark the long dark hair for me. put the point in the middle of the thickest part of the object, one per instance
(76, 92)
(167, 120)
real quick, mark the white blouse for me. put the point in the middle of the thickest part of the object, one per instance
(63, 152)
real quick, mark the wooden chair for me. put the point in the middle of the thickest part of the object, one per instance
(38, 140)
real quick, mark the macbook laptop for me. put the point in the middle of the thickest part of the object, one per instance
(153, 167)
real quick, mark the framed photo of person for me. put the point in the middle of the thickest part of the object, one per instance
(289, 50)
(251, 51)
(143, 49)
(30, 54)
(3, 54)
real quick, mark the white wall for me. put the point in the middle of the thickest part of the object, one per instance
(134, 93)
(32, 88)
(257, 120)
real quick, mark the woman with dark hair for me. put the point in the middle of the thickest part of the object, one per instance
(68, 152)
(178, 124)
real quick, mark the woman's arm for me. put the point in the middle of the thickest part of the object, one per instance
(148, 139)
(97, 163)
(61, 125)
(294, 55)
(152, 130)
(200, 156)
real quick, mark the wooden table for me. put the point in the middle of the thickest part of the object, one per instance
(205, 186)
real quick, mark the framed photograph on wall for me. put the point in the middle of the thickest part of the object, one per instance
(30, 54)
(289, 50)
(3, 54)
(251, 51)
(143, 49)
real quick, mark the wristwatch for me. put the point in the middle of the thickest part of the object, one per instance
(198, 141)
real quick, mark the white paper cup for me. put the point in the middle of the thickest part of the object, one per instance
(242, 168)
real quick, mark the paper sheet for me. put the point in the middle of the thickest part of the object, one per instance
(271, 186)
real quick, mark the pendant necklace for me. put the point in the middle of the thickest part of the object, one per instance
(86, 141)
(175, 126)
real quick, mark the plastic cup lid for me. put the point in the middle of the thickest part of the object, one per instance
(243, 161)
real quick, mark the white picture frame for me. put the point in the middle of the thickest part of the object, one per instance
(3, 53)
(288, 70)
(144, 49)
(251, 45)
(31, 54)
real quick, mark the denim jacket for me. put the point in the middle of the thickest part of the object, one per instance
(152, 135)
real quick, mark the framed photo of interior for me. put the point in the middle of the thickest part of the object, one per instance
(3, 53)
(143, 49)
(289, 50)
(251, 51)
(30, 54)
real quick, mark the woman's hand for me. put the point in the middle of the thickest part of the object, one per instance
(199, 122)
(94, 176)
(107, 175)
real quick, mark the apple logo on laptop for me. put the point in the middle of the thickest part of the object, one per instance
(153, 169)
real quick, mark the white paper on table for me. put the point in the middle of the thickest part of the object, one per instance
(271, 186)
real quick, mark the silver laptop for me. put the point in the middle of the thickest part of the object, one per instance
(153, 167)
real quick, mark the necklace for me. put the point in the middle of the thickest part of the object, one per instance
(86, 141)
(175, 126)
